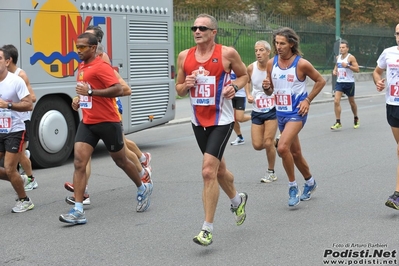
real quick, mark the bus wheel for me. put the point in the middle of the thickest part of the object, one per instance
(52, 132)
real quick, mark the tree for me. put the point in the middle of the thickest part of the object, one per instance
(379, 12)
(222, 5)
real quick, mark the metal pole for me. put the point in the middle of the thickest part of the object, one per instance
(337, 20)
(337, 37)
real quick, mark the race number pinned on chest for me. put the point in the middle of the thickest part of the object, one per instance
(264, 102)
(394, 90)
(341, 73)
(204, 91)
(5, 121)
(284, 101)
(85, 102)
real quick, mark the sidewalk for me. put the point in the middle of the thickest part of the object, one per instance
(364, 88)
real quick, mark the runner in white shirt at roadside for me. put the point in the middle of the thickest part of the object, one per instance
(344, 68)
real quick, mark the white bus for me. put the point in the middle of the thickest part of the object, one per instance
(138, 37)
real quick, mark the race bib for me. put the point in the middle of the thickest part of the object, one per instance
(203, 93)
(394, 90)
(5, 121)
(341, 73)
(283, 102)
(264, 103)
(85, 102)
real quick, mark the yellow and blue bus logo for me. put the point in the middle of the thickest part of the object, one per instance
(54, 35)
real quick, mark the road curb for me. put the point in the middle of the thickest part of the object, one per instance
(249, 110)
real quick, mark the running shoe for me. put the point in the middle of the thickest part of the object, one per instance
(204, 238)
(23, 206)
(293, 192)
(238, 141)
(307, 191)
(144, 198)
(29, 184)
(393, 202)
(147, 161)
(73, 217)
(240, 210)
(357, 124)
(71, 200)
(269, 177)
(336, 126)
(146, 178)
(69, 186)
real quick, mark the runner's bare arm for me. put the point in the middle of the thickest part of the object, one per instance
(23, 75)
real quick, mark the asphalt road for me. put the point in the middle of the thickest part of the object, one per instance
(346, 219)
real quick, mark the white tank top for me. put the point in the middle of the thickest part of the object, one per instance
(289, 90)
(344, 74)
(240, 92)
(388, 61)
(262, 103)
(26, 115)
(17, 71)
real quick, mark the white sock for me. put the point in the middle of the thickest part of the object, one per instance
(292, 184)
(310, 181)
(142, 158)
(236, 200)
(207, 226)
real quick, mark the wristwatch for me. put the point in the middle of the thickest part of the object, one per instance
(90, 92)
(235, 87)
(9, 106)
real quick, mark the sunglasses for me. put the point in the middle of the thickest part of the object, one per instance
(201, 28)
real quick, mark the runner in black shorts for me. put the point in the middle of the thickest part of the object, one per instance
(239, 115)
(11, 142)
(14, 95)
(91, 134)
(213, 140)
(211, 87)
(388, 81)
(97, 87)
(27, 130)
(393, 115)
(25, 165)
(238, 103)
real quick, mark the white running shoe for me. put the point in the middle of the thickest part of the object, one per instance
(238, 141)
(269, 177)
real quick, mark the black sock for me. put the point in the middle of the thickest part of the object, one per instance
(24, 199)
(339, 121)
(240, 136)
(396, 193)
